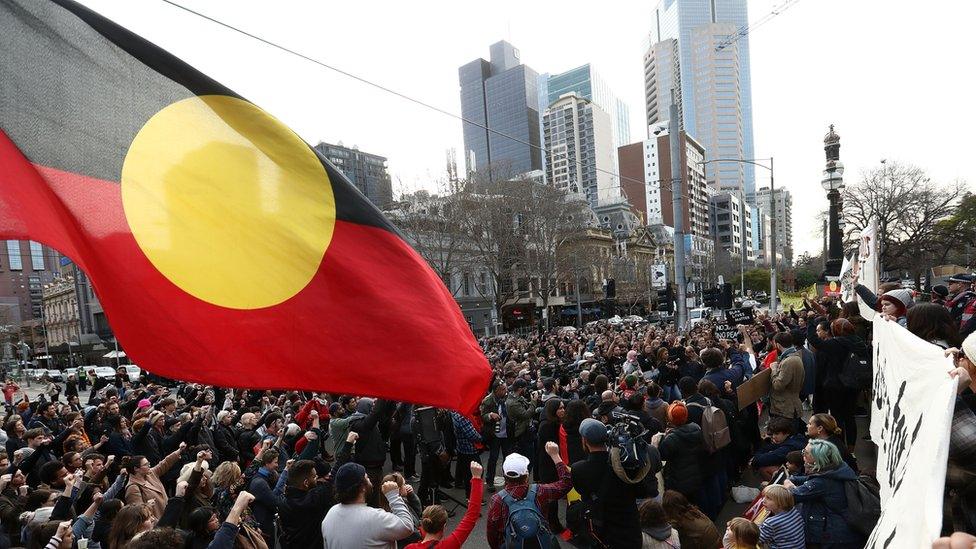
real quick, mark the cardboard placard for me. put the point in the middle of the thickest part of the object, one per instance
(754, 389)
(725, 331)
(739, 316)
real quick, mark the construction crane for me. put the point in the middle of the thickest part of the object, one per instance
(746, 29)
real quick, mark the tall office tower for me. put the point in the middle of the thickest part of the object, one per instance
(688, 52)
(782, 212)
(366, 171)
(501, 94)
(586, 83)
(579, 147)
(731, 224)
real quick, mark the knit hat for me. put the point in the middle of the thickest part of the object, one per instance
(349, 476)
(154, 417)
(901, 298)
(144, 403)
(677, 413)
(969, 347)
(187, 470)
(940, 290)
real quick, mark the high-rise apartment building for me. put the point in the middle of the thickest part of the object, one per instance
(645, 170)
(688, 53)
(731, 224)
(780, 209)
(501, 94)
(587, 84)
(25, 267)
(579, 149)
(366, 171)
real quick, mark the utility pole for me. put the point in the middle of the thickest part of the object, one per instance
(773, 297)
(579, 304)
(679, 237)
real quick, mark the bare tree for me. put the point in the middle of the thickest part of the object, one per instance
(908, 206)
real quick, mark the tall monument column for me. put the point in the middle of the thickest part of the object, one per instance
(833, 183)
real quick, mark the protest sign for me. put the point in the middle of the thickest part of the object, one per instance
(726, 331)
(754, 389)
(910, 421)
(739, 316)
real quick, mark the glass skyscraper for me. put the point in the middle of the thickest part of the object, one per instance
(688, 53)
(587, 84)
(501, 94)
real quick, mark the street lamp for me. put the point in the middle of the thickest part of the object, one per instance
(773, 297)
(833, 182)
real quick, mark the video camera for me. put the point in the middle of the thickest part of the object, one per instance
(628, 448)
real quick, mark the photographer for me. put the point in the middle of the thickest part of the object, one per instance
(612, 502)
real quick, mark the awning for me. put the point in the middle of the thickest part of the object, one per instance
(114, 354)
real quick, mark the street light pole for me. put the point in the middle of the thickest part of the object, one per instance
(679, 237)
(773, 297)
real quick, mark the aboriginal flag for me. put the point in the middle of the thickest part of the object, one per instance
(223, 248)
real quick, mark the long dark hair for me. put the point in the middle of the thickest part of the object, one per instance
(576, 412)
(931, 322)
(549, 412)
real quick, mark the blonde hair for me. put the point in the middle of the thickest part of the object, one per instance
(434, 519)
(746, 533)
(226, 475)
(780, 495)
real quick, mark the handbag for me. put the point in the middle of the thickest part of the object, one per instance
(249, 538)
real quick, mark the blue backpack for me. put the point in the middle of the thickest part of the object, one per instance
(526, 527)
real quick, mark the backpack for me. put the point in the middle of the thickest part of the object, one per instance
(863, 504)
(715, 427)
(526, 527)
(856, 373)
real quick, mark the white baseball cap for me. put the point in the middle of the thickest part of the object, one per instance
(516, 465)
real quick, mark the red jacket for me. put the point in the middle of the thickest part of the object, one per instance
(464, 528)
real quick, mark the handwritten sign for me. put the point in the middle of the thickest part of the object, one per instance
(739, 316)
(725, 331)
(913, 399)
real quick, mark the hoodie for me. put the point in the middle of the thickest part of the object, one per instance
(683, 450)
(824, 506)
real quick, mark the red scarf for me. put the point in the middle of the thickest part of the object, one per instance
(563, 445)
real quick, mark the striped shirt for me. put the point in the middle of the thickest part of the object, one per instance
(783, 530)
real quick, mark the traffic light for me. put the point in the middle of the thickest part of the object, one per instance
(710, 297)
(665, 300)
(725, 301)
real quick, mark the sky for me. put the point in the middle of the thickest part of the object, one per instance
(894, 76)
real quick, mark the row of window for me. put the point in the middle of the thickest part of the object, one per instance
(16, 261)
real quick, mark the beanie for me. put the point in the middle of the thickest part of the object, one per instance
(678, 413)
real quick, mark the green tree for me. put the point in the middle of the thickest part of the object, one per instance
(807, 270)
(757, 280)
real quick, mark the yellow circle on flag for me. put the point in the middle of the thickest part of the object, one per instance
(227, 202)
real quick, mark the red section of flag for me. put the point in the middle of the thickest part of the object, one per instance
(375, 320)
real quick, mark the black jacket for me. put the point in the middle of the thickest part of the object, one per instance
(301, 514)
(545, 469)
(246, 441)
(615, 499)
(226, 442)
(371, 448)
(683, 451)
(834, 352)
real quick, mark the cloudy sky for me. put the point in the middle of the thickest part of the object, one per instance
(895, 76)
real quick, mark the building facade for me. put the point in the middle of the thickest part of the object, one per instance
(579, 149)
(689, 52)
(587, 84)
(779, 208)
(645, 170)
(731, 224)
(61, 313)
(367, 172)
(25, 266)
(501, 94)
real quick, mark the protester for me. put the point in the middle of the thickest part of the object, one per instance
(821, 492)
(656, 531)
(695, 530)
(434, 519)
(840, 398)
(781, 441)
(351, 523)
(783, 528)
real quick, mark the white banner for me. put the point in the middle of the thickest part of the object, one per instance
(847, 280)
(868, 263)
(659, 276)
(913, 398)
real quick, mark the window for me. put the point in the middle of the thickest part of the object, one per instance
(13, 255)
(37, 256)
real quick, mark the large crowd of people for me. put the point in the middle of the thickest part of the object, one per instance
(622, 435)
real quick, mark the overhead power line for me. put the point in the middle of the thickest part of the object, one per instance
(750, 27)
(378, 86)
